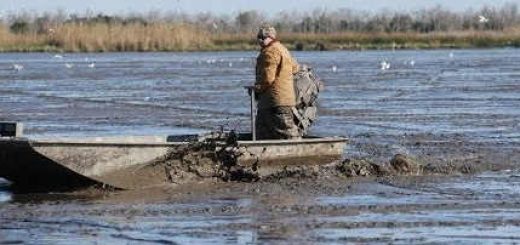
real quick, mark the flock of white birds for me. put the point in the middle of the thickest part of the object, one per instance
(384, 65)
(19, 67)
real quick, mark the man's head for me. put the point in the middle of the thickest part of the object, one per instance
(266, 34)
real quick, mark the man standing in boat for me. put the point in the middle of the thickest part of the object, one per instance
(274, 88)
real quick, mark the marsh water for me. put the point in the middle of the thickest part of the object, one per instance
(442, 106)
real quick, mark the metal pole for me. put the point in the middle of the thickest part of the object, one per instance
(251, 91)
(253, 116)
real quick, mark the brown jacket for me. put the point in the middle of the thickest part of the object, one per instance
(274, 76)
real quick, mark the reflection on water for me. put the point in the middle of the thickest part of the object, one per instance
(5, 196)
(450, 210)
(465, 235)
(426, 211)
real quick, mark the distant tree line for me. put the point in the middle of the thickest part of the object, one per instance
(436, 19)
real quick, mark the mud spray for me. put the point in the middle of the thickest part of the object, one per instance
(207, 160)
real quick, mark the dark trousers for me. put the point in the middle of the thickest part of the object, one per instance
(276, 123)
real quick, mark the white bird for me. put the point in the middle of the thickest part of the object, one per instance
(91, 65)
(57, 56)
(334, 68)
(69, 65)
(412, 62)
(451, 55)
(385, 65)
(482, 19)
(17, 67)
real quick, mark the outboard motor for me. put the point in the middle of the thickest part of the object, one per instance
(307, 88)
(11, 129)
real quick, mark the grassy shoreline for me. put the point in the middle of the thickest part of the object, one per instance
(162, 37)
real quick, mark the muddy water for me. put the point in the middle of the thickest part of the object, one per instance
(443, 107)
(475, 209)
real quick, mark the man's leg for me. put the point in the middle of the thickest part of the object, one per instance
(283, 123)
(264, 118)
(276, 123)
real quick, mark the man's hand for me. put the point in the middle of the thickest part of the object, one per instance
(255, 88)
(250, 89)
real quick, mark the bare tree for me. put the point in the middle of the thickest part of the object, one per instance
(248, 21)
(316, 21)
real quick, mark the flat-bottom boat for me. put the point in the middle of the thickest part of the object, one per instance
(119, 162)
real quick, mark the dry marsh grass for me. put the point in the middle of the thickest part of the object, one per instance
(75, 37)
(133, 37)
(25, 42)
(405, 40)
(101, 37)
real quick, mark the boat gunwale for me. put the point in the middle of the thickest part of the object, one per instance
(76, 142)
(295, 142)
(104, 144)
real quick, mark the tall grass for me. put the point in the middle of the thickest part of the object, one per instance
(381, 40)
(133, 37)
(104, 37)
(100, 37)
(25, 42)
(405, 40)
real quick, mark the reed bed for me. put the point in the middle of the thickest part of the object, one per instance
(404, 40)
(99, 37)
(25, 42)
(380, 40)
(133, 37)
(103, 37)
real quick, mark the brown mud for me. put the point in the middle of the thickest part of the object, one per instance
(389, 209)
(200, 161)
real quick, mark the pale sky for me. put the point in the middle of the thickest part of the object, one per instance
(233, 6)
